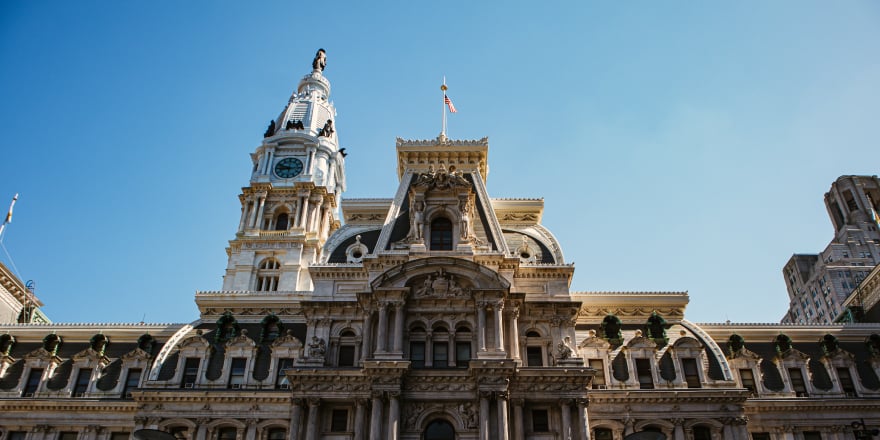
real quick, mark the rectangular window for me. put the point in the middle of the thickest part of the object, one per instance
(120, 436)
(691, 373)
(17, 435)
(812, 435)
(797, 382)
(462, 354)
(846, 382)
(540, 421)
(748, 380)
(534, 357)
(82, 382)
(441, 355)
(281, 381)
(346, 356)
(67, 435)
(236, 372)
(33, 382)
(603, 434)
(599, 377)
(643, 371)
(131, 382)
(190, 372)
(339, 420)
(760, 436)
(417, 354)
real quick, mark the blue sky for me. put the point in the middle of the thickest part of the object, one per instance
(677, 145)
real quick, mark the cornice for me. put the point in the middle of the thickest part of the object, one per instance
(797, 332)
(800, 405)
(668, 397)
(78, 405)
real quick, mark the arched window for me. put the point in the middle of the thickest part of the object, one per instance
(347, 345)
(267, 275)
(281, 222)
(439, 430)
(702, 433)
(226, 434)
(441, 234)
(603, 434)
(277, 434)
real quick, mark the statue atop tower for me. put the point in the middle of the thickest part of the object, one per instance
(320, 60)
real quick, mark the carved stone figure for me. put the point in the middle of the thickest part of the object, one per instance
(327, 131)
(317, 347)
(426, 288)
(271, 130)
(418, 220)
(465, 219)
(320, 60)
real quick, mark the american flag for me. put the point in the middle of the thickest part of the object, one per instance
(449, 104)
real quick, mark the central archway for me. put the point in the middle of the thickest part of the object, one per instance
(439, 430)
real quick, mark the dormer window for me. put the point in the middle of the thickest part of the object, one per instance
(441, 234)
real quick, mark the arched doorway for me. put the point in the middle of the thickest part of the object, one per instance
(439, 430)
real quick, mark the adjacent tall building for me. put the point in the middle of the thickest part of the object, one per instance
(818, 284)
(436, 313)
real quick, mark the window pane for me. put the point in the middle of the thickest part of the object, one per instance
(534, 357)
(339, 420)
(643, 369)
(599, 377)
(462, 354)
(190, 371)
(441, 358)
(131, 382)
(812, 435)
(82, 382)
(797, 382)
(691, 374)
(540, 421)
(748, 379)
(441, 234)
(417, 354)
(33, 382)
(603, 434)
(236, 372)
(846, 382)
(346, 356)
(702, 433)
(280, 377)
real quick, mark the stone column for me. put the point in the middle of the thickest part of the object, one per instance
(484, 414)
(259, 223)
(312, 423)
(251, 433)
(518, 428)
(202, 430)
(244, 215)
(628, 426)
(253, 214)
(565, 408)
(429, 349)
(89, 433)
(295, 419)
(303, 211)
(367, 332)
(376, 417)
(382, 330)
(398, 327)
(785, 433)
(499, 326)
(359, 416)
(393, 415)
(678, 431)
(514, 333)
(450, 352)
(503, 419)
(584, 418)
(481, 325)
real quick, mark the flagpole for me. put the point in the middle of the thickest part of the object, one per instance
(443, 88)
(8, 216)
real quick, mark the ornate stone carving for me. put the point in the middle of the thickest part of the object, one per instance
(441, 284)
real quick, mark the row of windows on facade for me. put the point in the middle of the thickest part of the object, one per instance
(82, 382)
(269, 269)
(223, 433)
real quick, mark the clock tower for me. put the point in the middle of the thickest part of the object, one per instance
(290, 205)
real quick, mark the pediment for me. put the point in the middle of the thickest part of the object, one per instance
(794, 354)
(288, 340)
(841, 354)
(745, 353)
(641, 342)
(194, 342)
(241, 341)
(439, 284)
(40, 353)
(595, 342)
(470, 274)
(687, 342)
(136, 355)
(89, 354)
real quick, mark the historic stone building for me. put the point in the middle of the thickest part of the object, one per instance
(439, 313)
(818, 284)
